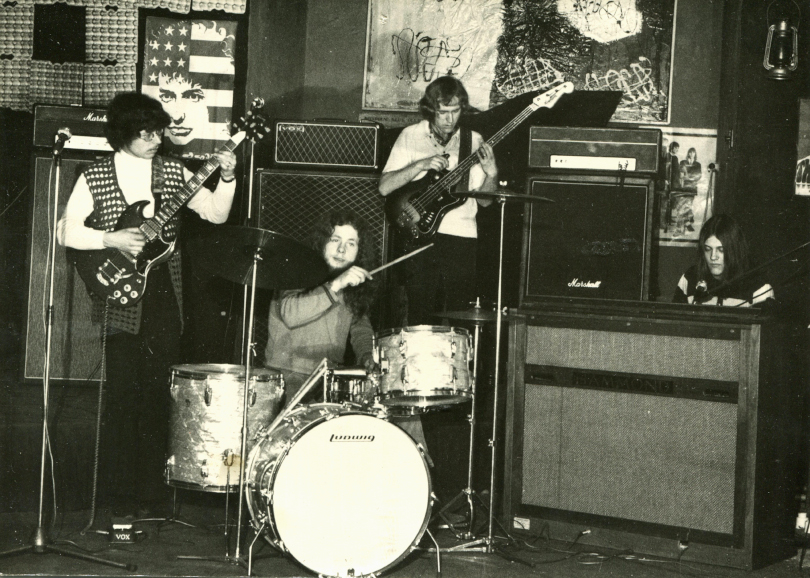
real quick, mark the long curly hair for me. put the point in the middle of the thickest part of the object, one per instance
(358, 299)
(735, 247)
(128, 114)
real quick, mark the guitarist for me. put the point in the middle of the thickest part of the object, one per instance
(442, 278)
(142, 341)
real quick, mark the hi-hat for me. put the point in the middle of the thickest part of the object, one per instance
(476, 315)
(283, 263)
(504, 194)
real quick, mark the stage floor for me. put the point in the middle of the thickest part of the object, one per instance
(159, 546)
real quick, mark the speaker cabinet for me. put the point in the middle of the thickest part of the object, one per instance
(593, 241)
(75, 341)
(658, 429)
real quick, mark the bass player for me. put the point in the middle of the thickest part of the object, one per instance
(143, 340)
(444, 277)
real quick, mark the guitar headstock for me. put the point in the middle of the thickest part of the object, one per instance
(549, 98)
(254, 123)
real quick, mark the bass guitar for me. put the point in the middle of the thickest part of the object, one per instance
(120, 277)
(431, 198)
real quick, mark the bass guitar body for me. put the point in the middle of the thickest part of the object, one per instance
(420, 220)
(117, 276)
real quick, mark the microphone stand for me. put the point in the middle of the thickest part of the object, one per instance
(40, 542)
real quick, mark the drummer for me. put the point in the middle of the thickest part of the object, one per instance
(307, 325)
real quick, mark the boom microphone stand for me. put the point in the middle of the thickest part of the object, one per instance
(40, 541)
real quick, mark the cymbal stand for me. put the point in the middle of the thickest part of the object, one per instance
(40, 541)
(498, 322)
(468, 493)
(237, 558)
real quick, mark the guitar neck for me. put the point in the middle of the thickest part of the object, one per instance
(152, 227)
(450, 178)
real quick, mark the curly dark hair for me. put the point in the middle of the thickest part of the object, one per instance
(441, 92)
(735, 247)
(358, 299)
(131, 112)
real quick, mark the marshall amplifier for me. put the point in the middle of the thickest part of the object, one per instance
(594, 149)
(86, 127)
(592, 242)
(328, 144)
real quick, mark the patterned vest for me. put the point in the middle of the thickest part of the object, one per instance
(108, 205)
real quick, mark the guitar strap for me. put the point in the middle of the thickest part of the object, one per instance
(464, 150)
(158, 181)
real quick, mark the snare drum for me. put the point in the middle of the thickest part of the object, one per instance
(352, 389)
(206, 422)
(424, 366)
(341, 491)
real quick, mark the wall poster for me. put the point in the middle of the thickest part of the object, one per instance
(687, 174)
(504, 48)
(189, 67)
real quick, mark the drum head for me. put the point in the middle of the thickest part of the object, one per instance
(351, 495)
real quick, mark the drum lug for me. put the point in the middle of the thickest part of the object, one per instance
(209, 393)
(403, 375)
(204, 469)
(252, 393)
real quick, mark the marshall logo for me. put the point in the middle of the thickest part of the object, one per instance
(291, 128)
(585, 284)
(350, 438)
(92, 117)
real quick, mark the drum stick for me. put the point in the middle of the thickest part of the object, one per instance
(398, 259)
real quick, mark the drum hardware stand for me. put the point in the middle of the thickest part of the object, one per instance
(40, 542)
(468, 493)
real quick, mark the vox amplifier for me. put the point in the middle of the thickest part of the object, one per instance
(594, 149)
(332, 144)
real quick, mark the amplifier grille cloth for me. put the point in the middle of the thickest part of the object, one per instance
(634, 353)
(653, 459)
(349, 146)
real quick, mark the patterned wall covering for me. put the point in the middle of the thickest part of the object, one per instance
(111, 51)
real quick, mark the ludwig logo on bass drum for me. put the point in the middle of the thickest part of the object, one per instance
(351, 438)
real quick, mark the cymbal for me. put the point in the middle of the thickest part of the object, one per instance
(476, 314)
(504, 194)
(284, 262)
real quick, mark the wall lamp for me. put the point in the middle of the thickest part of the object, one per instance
(782, 48)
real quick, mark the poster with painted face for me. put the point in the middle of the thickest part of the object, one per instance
(189, 68)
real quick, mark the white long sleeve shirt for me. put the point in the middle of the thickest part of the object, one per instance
(135, 179)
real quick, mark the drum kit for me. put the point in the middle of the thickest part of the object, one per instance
(334, 484)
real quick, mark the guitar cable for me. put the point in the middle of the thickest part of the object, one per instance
(101, 382)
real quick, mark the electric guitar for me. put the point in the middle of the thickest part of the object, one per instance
(431, 196)
(120, 277)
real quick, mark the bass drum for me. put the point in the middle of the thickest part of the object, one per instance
(343, 492)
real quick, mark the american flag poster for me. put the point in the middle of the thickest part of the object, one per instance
(189, 68)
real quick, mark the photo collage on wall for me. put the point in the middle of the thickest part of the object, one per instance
(687, 175)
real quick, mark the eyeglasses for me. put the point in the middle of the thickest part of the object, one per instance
(150, 135)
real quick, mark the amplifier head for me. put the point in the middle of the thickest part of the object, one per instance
(329, 144)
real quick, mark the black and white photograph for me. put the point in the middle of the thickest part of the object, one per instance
(405, 288)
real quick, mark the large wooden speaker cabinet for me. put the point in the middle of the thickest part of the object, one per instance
(75, 342)
(659, 429)
(593, 241)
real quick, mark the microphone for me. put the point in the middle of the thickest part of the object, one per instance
(62, 136)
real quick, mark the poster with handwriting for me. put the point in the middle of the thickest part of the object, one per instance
(505, 48)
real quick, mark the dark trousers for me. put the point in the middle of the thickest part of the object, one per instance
(135, 428)
(442, 278)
